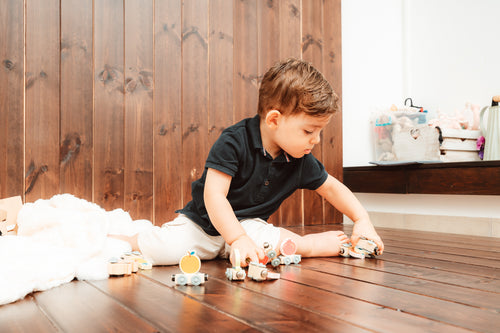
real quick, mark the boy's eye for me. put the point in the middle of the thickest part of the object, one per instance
(308, 132)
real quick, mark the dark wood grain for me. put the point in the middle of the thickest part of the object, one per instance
(168, 182)
(332, 69)
(312, 51)
(11, 99)
(109, 104)
(42, 117)
(138, 126)
(341, 306)
(25, 316)
(245, 75)
(481, 178)
(120, 106)
(221, 113)
(400, 291)
(290, 12)
(195, 91)
(90, 310)
(166, 308)
(76, 152)
(256, 309)
(268, 36)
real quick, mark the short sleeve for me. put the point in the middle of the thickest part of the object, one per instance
(223, 155)
(313, 173)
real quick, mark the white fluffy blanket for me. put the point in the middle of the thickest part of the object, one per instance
(58, 240)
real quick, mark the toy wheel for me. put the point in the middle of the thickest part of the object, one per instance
(271, 254)
(229, 275)
(296, 259)
(275, 262)
(195, 280)
(182, 280)
(287, 261)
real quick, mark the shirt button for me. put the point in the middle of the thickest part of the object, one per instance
(266, 182)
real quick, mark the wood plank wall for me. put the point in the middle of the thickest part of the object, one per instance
(119, 101)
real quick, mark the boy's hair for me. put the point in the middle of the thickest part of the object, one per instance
(293, 86)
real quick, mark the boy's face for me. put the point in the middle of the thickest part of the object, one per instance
(297, 134)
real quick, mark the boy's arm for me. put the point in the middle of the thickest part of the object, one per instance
(223, 218)
(344, 200)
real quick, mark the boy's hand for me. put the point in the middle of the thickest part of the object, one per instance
(247, 249)
(364, 228)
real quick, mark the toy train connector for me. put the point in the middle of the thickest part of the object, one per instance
(288, 254)
(365, 248)
(190, 265)
(270, 255)
(236, 272)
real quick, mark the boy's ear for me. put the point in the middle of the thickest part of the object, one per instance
(272, 118)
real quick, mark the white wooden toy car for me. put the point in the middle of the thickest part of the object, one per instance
(118, 266)
(365, 248)
(190, 266)
(288, 254)
(259, 272)
(236, 272)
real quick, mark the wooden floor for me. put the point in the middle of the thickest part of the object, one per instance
(424, 282)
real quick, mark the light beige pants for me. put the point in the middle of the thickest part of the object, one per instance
(165, 245)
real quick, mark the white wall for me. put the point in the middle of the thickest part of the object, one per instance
(442, 53)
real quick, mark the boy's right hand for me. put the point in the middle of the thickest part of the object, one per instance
(247, 249)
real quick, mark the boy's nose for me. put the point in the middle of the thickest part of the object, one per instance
(316, 139)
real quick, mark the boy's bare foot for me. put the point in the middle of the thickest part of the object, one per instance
(324, 244)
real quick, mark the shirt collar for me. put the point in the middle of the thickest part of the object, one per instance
(256, 140)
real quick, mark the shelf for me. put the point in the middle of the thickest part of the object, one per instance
(479, 178)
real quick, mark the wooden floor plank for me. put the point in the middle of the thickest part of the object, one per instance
(258, 310)
(367, 315)
(424, 273)
(442, 265)
(463, 250)
(79, 307)
(470, 317)
(24, 316)
(456, 258)
(471, 243)
(166, 308)
(419, 235)
(444, 291)
(422, 283)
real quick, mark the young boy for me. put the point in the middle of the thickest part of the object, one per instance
(254, 166)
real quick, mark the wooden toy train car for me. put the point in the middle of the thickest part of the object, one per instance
(190, 265)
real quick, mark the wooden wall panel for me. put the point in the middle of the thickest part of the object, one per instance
(138, 187)
(332, 69)
(246, 78)
(220, 68)
(109, 103)
(42, 99)
(312, 51)
(168, 187)
(291, 211)
(76, 141)
(194, 91)
(268, 34)
(122, 99)
(11, 98)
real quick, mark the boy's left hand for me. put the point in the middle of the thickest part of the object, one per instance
(364, 228)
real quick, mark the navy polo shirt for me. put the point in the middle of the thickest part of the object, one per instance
(259, 183)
